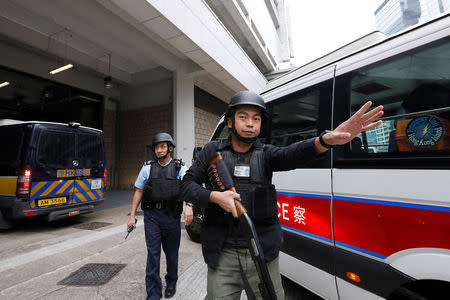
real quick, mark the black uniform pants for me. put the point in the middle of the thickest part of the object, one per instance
(161, 227)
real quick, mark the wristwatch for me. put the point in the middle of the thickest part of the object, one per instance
(189, 204)
(322, 142)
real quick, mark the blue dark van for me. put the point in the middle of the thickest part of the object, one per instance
(51, 170)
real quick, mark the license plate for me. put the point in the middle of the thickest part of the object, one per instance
(73, 172)
(52, 201)
(96, 184)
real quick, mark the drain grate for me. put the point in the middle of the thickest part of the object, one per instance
(92, 225)
(92, 275)
(138, 213)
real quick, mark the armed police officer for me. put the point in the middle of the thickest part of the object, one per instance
(158, 191)
(251, 164)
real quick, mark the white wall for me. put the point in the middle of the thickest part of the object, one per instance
(195, 20)
(259, 13)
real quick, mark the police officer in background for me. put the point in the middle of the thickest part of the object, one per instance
(158, 191)
(251, 164)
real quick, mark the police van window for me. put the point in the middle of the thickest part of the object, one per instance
(221, 132)
(295, 118)
(10, 150)
(414, 88)
(56, 149)
(90, 149)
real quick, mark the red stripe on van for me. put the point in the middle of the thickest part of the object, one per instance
(387, 229)
(308, 214)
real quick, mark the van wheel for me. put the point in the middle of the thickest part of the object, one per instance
(5, 223)
(194, 230)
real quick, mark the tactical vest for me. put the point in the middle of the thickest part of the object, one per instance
(258, 194)
(162, 185)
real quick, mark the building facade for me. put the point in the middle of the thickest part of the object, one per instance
(138, 67)
(395, 15)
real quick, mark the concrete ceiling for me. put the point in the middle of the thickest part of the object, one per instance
(138, 40)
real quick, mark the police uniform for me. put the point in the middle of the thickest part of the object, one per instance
(162, 206)
(225, 248)
(252, 177)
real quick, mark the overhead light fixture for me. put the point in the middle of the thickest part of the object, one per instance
(64, 56)
(63, 68)
(108, 83)
(4, 84)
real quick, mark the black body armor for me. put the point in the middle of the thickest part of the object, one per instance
(253, 181)
(162, 189)
(258, 194)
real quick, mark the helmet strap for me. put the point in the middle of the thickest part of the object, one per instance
(165, 155)
(239, 137)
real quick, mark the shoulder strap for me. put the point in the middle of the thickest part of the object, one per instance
(149, 162)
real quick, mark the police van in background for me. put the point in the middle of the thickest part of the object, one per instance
(372, 219)
(50, 170)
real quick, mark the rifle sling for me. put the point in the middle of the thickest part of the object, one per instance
(248, 288)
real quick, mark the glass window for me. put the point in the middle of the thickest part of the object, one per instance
(295, 118)
(10, 149)
(222, 132)
(56, 149)
(414, 88)
(90, 149)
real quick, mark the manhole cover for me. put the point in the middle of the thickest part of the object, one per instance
(92, 225)
(92, 274)
(138, 213)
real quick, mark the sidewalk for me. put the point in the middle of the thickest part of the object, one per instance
(36, 269)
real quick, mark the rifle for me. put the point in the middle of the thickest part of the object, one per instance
(221, 180)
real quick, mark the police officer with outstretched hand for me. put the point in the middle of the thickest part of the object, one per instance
(158, 191)
(251, 165)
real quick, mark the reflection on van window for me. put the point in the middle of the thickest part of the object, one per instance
(10, 150)
(90, 149)
(295, 119)
(56, 149)
(415, 91)
(222, 132)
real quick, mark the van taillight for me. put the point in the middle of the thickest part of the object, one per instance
(23, 183)
(104, 175)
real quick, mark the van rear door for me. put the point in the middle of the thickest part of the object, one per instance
(89, 185)
(69, 167)
(52, 170)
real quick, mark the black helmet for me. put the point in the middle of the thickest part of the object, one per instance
(245, 98)
(162, 137)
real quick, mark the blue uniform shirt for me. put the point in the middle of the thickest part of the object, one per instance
(144, 174)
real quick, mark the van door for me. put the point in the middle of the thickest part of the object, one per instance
(52, 167)
(89, 184)
(304, 194)
(391, 183)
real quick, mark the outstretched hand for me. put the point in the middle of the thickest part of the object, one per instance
(359, 122)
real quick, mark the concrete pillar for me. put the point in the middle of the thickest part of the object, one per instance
(183, 114)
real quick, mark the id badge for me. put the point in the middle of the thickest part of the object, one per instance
(242, 171)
